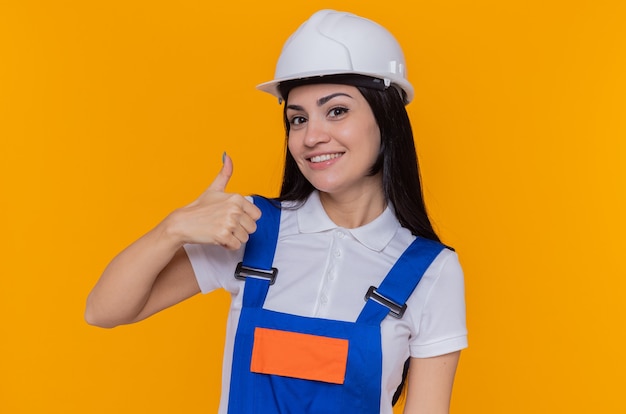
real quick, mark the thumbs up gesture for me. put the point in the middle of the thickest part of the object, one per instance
(217, 217)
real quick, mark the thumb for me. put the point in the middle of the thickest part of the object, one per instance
(222, 178)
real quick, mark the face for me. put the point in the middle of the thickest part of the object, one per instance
(334, 138)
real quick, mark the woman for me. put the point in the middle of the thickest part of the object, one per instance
(350, 223)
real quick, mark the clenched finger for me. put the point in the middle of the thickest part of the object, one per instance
(248, 223)
(251, 210)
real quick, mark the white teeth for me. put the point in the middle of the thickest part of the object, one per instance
(325, 157)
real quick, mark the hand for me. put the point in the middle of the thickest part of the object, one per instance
(217, 217)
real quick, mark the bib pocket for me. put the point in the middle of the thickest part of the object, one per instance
(299, 355)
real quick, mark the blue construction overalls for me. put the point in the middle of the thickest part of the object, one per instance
(285, 363)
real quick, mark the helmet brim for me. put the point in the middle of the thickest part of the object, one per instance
(272, 87)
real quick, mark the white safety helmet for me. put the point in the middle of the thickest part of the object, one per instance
(334, 43)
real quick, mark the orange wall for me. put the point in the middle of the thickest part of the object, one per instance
(114, 113)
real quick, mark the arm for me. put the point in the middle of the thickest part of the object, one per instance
(430, 384)
(154, 272)
(148, 276)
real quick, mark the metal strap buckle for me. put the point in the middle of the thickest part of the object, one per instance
(242, 272)
(395, 309)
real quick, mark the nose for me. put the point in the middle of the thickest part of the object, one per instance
(316, 133)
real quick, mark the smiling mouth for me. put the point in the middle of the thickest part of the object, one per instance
(325, 157)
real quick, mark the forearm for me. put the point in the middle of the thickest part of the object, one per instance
(126, 283)
(149, 275)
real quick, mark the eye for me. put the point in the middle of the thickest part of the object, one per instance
(297, 120)
(338, 111)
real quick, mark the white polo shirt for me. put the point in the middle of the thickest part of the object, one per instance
(324, 271)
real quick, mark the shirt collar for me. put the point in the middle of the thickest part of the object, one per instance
(375, 235)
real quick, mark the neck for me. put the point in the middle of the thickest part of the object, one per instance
(353, 210)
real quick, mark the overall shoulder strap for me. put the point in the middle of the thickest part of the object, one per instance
(391, 296)
(256, 267)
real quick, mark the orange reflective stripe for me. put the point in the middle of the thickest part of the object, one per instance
(298, 355)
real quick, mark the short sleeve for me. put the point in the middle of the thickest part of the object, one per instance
(442, 326)
(214, 266)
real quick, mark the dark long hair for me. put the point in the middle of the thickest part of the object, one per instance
(397, 158)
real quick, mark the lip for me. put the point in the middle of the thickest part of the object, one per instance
(333, 157)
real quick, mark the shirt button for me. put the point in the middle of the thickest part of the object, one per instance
(337, 253)
(323, 299)
(331, 276)
(341, 234)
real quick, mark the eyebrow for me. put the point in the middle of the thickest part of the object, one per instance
(321, 101)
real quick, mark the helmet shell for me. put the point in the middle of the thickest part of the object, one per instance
(331, 43)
